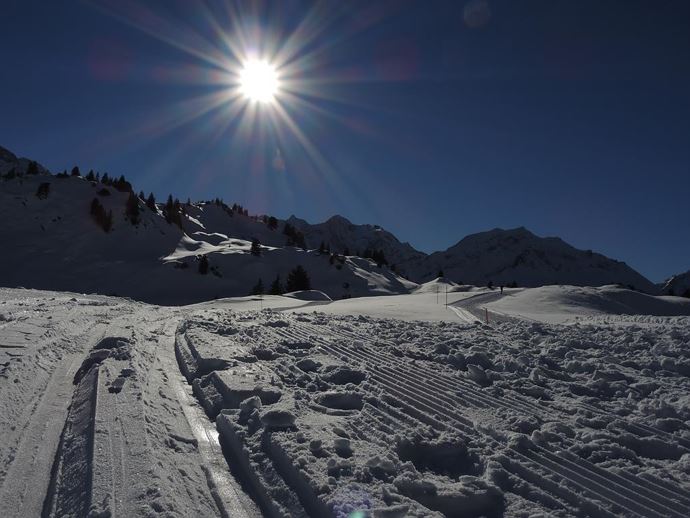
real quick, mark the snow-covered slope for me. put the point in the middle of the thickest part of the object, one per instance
(678, 285)
(517, 255)
(341, 235)
(52, 242)
(110, 407)
(556, 304)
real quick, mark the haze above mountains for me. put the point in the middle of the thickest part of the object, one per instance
(52, 240)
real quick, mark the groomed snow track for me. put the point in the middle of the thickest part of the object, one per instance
(575, 481)
(404, 394)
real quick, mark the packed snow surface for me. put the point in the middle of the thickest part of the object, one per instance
(566, 303)
(110, 407)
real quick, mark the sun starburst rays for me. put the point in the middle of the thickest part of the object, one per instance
(260, 86)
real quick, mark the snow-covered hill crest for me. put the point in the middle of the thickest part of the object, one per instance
(52, 240)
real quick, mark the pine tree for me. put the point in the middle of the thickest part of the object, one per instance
(256, 247)
(322, 248)
(103, 218)
(132, 209)
(32, 168)
(151, 202)
(75, 171)
(176, 216)
(346, 251)
(258, 288)
(108, 222)
(43, 190)
(95, 206)
(91, 177)
(203, 265)
(440, 273)
(168, 208)
(298, 280)
(272, 223)
(276, 287)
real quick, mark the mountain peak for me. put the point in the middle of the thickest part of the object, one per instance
(337, 219)
(519, 256)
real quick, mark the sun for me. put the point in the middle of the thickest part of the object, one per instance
(259, 81)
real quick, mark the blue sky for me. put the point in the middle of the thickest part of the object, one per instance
(433, 119)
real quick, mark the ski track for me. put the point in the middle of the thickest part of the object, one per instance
(594, 482)
(543, 410)
(108, 425)
(586, 477)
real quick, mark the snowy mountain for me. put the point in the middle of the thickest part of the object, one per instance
(518, 256)
(52, 240)
(10, 163)
(54, 243)
(678, 285)
(343, 236)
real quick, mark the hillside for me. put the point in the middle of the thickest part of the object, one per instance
(518, 256)
(678, 285)
(343, 236)
(52, 242)
(55, 244)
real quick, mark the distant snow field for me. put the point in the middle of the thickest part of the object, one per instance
(447, 401)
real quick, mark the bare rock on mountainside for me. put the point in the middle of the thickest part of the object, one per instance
(10, 163)
(678, 285)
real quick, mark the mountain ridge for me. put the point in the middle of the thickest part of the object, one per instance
(497, 256)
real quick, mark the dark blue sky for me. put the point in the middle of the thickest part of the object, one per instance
(571, 118)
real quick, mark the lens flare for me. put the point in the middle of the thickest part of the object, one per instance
(259, 81)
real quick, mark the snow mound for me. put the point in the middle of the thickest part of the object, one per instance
(441, 284)
(313, 295)
(561, 303)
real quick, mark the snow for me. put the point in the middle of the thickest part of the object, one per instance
(314, 295)
(558, 304)
(53, 243)
(368, 395)
(114, 407)
(517, 255)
